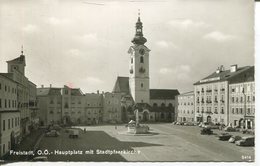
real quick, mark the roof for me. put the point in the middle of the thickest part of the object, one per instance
(121, 85)
(187, 93)
(48, 91)
(163, 93)
(76, 92)
(20, 59)
(7, 76)
(225, 75)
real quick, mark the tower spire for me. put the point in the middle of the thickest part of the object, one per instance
(22, 50)
(139, 16)
(139, 39)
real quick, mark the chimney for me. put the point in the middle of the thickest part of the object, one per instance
(50, 85)
(42, 86)
(233, 68)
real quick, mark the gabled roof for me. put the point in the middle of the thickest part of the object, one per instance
(121, 85)
(225, 75)
(20, 59)
(163, 93)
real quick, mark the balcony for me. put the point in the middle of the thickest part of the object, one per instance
(209, 91)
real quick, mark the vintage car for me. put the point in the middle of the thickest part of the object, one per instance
(52, 133)
(230, 129)
(246, 141)
(234, 138)
(224, 136)
(188, 124)
(206, 131)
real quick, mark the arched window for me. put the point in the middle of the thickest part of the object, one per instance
(131, 60)
(142, 85)
(162, 105)
(141, 59)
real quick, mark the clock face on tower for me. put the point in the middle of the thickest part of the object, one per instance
(141, 51)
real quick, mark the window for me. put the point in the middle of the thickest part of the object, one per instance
(66, 105)
(15, 122)
(222, 110)
(241, 111)
(248, 111)
(198, 109)
(3, 125)
(236, 110)
(12, 122)
(233, 110)
(0, 103)
(3, 148)
(142, 85)
(141, 59)
(9, 123)
(131, 60)
(51, 112)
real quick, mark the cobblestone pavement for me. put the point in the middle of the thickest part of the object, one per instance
(169, 143)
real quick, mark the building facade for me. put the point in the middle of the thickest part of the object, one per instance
(112, 108)
(242, 104)
(69, 106)
(186, 107)
(212, 94)
(16, 71)
(9, 114)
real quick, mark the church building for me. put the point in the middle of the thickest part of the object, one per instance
(152, 104)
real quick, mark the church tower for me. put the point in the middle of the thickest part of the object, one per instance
(139, 66)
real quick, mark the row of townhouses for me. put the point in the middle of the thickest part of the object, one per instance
(225, 97)
(17, 104)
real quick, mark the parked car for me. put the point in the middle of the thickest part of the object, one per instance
(52, 133)
(224, 136)
(40, 158)
(188, 124)
(246, 141)
(230, 129)
(234, 138)
(73, 133)
(206, 131)
(211, 126)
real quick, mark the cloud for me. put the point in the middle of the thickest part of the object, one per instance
(187, 23)
(218, 36)
(57, 21)
(180, 72)
(165, 44)
(165, 70)
(94, 80)
(30, 28)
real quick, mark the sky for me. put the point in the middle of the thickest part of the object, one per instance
(84, 43)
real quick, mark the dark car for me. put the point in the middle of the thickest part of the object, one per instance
(224, 136)
(52, 133)
(206, 131)
(246, 141)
